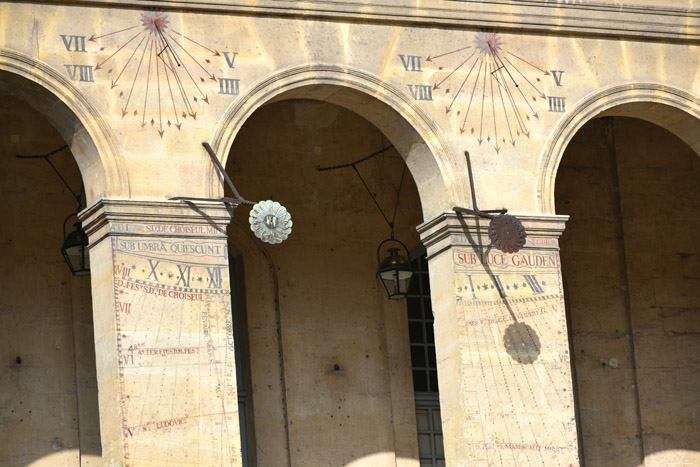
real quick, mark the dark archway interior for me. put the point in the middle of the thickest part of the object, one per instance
(64, 124)
(631, 266)
(345, 347)
(48, 388)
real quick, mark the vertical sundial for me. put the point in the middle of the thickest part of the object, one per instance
(162, 77)
(494, 93)
(491, 80)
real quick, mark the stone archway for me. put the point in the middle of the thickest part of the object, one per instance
(629, 262)
(49, 385)
(416, 137)
(52, 333)
(74, 117)
(672, 109)
(324, 302)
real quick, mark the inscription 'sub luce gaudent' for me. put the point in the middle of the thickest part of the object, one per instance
(471, 258)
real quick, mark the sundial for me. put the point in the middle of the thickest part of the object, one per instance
(161, 77)
(496, 79)
(492, 92)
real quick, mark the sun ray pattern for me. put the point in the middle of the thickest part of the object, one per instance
(159, 74)
(508, 86)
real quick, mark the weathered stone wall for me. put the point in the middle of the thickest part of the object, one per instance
(630, 264)
(48, 390)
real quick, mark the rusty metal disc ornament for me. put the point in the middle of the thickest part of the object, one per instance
(507, 233)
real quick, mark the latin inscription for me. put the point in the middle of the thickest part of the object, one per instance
(556, 74)
(230, 59)
(73, 43)
(160, 246)
(411, 62)
(184, 275)
(514, 356)
(175, 343)
(535, 286)
(215, 278)
(470, 258)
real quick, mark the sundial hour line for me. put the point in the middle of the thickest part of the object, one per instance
(178, 81)
(498, 58)
(211, 76)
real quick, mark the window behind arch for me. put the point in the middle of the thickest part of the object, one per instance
(424, 365)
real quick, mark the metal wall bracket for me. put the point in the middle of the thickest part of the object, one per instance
(505, 231)
(235, 201)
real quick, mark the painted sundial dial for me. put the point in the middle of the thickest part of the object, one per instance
(493, 93)
(162, 77)
(506, 87)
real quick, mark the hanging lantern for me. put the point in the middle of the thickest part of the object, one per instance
(394, 271)
(75, 249)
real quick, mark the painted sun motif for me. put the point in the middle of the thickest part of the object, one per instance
(154, 21)
(487, 42)
(493, 92)
(160, 75)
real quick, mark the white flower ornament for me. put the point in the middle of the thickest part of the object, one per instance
(270, 221)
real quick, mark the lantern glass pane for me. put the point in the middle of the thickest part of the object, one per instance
(404, 280)
(389, 284)
(74, 257)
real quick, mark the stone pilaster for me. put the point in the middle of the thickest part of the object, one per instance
(163, 333)
(503, 354)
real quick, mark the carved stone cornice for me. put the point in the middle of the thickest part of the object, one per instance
(589, 17)
(164, 219)
(451, 229)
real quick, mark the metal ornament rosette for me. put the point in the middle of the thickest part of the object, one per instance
(507, 233)
(270, 221)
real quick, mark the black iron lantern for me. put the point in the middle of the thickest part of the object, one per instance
(75, 249)
(394, 271)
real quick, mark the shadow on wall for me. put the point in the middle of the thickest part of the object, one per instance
(522, 343)
(520, 340)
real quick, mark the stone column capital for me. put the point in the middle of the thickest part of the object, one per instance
(451, 229)
(177, 219)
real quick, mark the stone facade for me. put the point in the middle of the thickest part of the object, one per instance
(193, 343)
